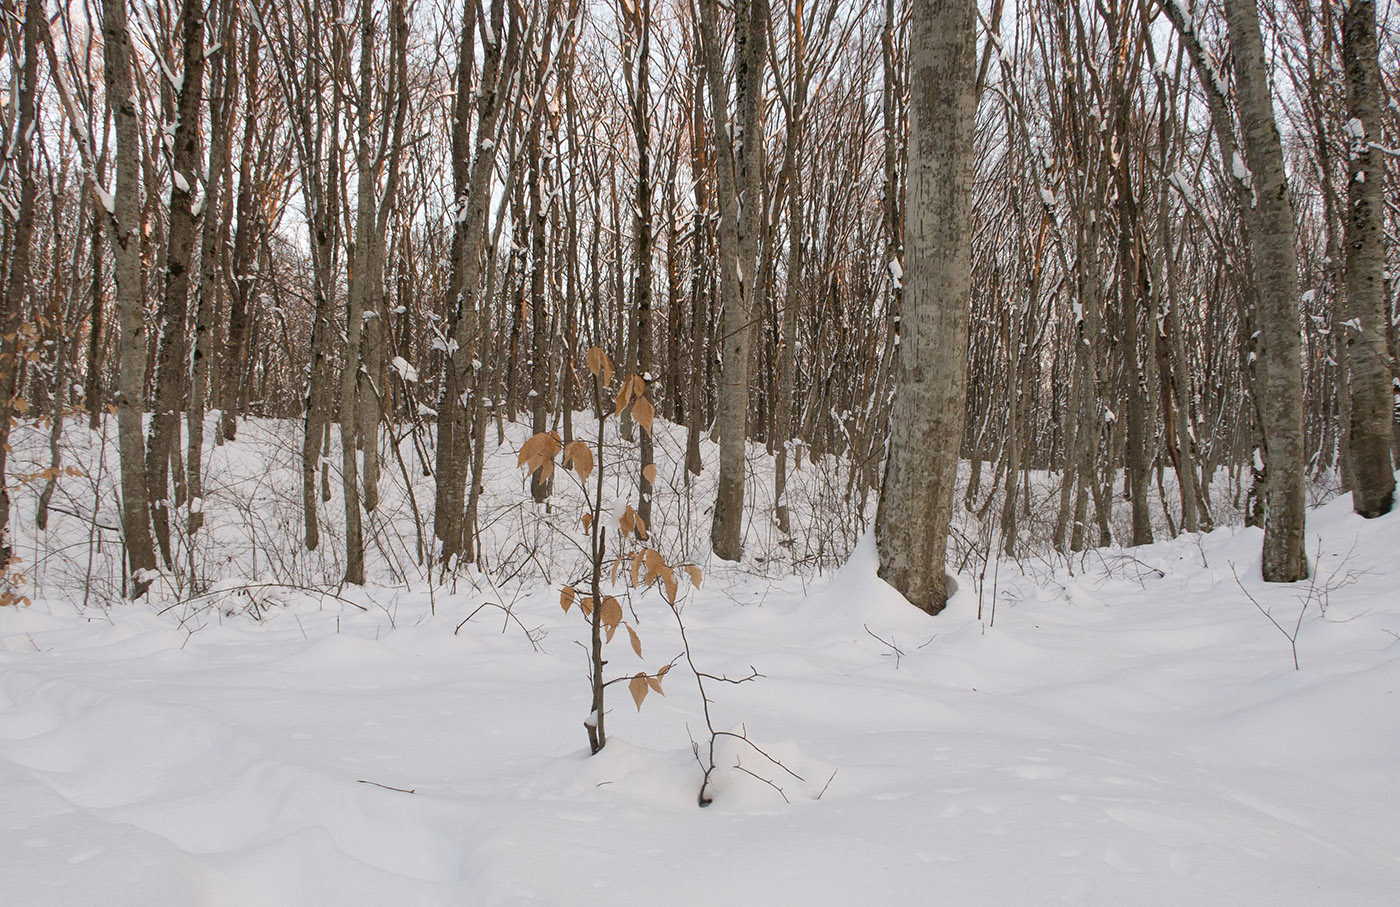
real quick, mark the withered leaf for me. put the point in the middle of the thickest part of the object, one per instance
(566, 597)
(612, 615)
(633, 638)
(599, 364)
(644, 413)
(638, 687)
(579, 457)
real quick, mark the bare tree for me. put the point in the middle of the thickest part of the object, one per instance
(473, 164)
(1373, 488)
(171, 364)
(19, 188)
(916, 499)
(739, 166)
(124, 230)
(1279, 385)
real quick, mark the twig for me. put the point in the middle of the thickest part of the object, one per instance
(898, 652)
(768, 781)
(401, 790)
(250, 587)
(1292, 638)
(510, 615)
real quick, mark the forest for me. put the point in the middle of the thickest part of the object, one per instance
(954, 441)
(413, 221)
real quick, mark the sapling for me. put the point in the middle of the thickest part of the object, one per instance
(603, 612)
(634, 561)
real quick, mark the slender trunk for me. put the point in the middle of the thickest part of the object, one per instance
(16, 284)
(125, 232)
(236, 347)
(739, 167)
(639, 82)
(173, 356)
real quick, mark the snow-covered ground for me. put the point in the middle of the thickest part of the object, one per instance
(1129, 730)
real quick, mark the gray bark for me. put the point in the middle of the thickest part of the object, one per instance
(1279, 379)
(124, 227)
(172, 362)
(916, 500)
(739, 166)
(20, 190)
(1373, 478)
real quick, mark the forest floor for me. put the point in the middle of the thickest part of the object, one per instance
(1126, 728)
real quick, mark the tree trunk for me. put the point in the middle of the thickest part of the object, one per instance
(221, 92)
(172, 363)
(21, 229)
(1373, 488)
(1279, 386)
(916, 499)
(739, 166)
(236, 347)
(471, 184)
(125, 231)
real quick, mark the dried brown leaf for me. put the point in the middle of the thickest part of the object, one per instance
(644, 413)
(694, 573)
(579, 457)
(599, 364)
(638, 687)
(539, 450)
(655, 564)
(566, 597)
(633, 638)
(612, 615)
(649, 473)
(585, 605)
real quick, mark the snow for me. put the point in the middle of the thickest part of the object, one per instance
(407, 372)
(1126, 729)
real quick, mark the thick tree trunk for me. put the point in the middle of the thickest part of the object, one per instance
(1279, 385)
(916, 500)
(1373, 488)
